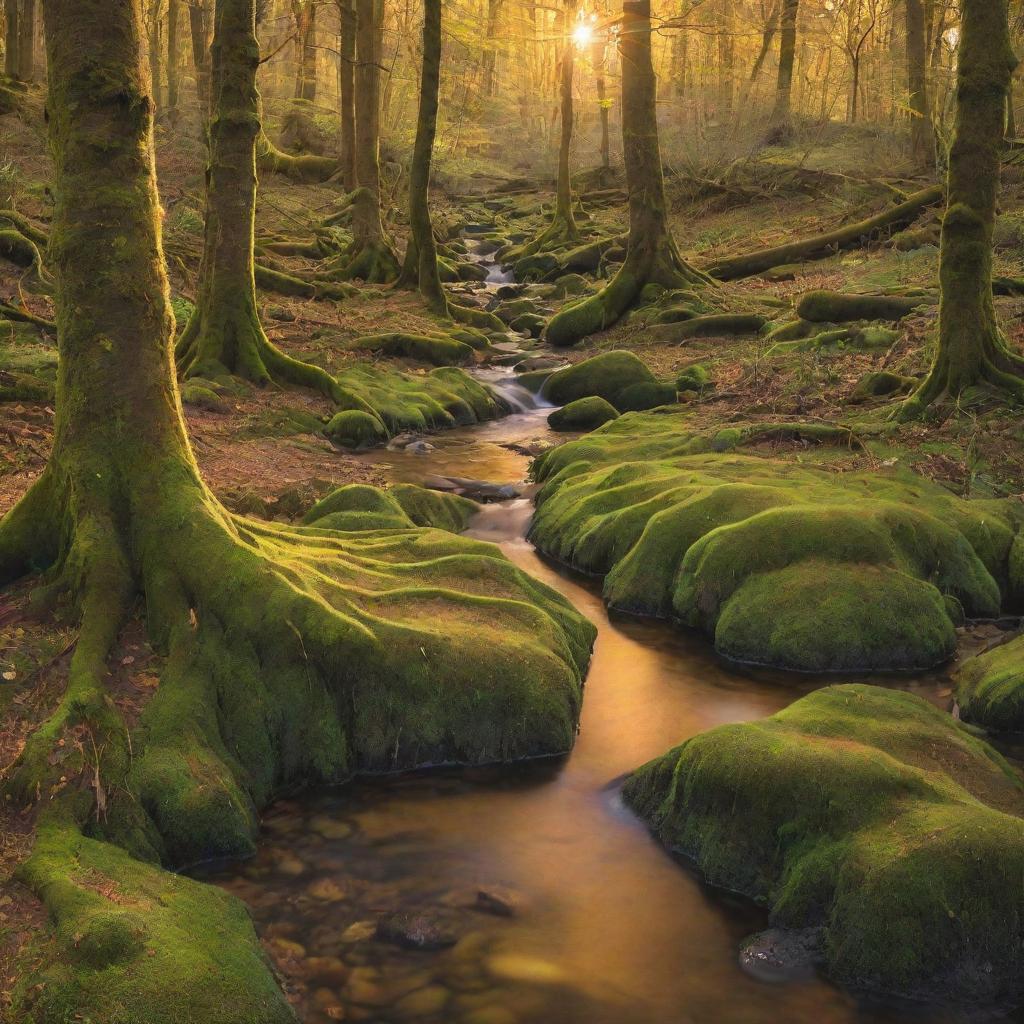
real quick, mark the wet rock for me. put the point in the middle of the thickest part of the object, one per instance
(532, 324)
(530, 969)
(419, 448)
(290, 865)
(423, 1002)
(416, 930)
(359, 931)
(365, 986)
(326, 890)
(779, 953)
(330, 828)
(477, 490)
(327, 970)
(490, 1015)
(532, 363)
(499, 902)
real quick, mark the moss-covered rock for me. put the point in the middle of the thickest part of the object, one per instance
(436, 349)
(644, 396)
(694, 378)
(781, 563)
(990, 688)
(869, 814)
(363, 507)
(444, 398)
(356, 430)
(583, 414)
(603, 376)
(881, 384)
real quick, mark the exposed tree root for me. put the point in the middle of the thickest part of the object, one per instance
(370, 257)
(307, 167)
(271, 280)
(234, 343)
(824, 245)
(30, 230)
(8, 312)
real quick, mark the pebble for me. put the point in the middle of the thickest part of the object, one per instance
(490, 1015)
(330, 828)
(328, 970)
(326, 889)
(360, 931)
(517, 967)
(415, 931)
(423, 1002)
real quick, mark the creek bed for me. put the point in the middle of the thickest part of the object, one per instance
(538, 897)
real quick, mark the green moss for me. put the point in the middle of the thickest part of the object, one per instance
(356, 430)
(135, 945)
(604, 376)
(720, 325)
(881, 384)
(583, 414)
(646, 395)
(990, 688)
(362, 507)
(833, 308)
(778, 561)
(694, 378)
(437, 350)
(868, 813)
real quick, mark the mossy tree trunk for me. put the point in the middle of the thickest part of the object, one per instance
(12, 68)
(652, 256)
(199, 31)
(420, 269)
(224, 335)
(27, 41)
(304, 13)
(370, 257)
(598, 55)
(971, 349)
(922, 139)
(782, 112)
(173, 46)
(346, 91)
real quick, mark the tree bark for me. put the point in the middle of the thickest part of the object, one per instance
(421, 270)
(27, 41)
(346, 91)
(971, 348)
(224, 335)
(12, 37)
(781, 114)
(173, 47)
(199, 27)
(652, 256)
(304, 12)
(922, 138)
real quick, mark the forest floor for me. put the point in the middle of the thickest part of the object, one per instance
(264, 448)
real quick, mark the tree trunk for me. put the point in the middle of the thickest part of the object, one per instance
(490, 48)
(199, 27)
(371, 257)
(922, 139)
(421, 269)
(27, 41)
(781, 114)
(12, 37)
(970, 347)
(599, 57)
(305, 49)
(173, 47)
(155, 51)
(346, 91)
(652, 256)
(224, 335)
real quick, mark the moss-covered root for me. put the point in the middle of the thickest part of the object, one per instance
(361, 507)
(990, 688)
(305, 167)
(270, 280)
(891, 219)
(370, 257)
(131, 942)
(971, 349)
(438, 350)
(824, 307)
(720, 325)
(23, 252)
(867, 813)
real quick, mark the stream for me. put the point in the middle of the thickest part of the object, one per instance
(536, 896)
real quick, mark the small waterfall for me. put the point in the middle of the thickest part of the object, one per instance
(519, 399)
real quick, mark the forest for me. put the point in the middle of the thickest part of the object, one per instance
(511, 511)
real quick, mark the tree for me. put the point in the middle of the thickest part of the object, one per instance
(12, 68)
(370, 257)
(420, 269)
(346, 90)
(781, 114)
(922, 139)
(652, 256)
(304, 16)
(173, 16)
(971, 349)
(224, 334)
(199, 30)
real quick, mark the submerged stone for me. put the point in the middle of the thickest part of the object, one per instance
(867, 813)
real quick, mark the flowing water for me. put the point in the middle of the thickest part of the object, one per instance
(561, 907)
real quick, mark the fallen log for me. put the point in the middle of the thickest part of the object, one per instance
(752, 263)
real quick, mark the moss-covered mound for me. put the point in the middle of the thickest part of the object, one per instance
(605, 376)
(356, 430)
(870, 814)
(779, 562)
(583, 414)
(362, 507)
(399, 402)
(436, 349)
(990, 688)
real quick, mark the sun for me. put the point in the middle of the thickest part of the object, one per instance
(583, 34)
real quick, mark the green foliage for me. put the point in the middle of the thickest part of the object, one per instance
(868, 813)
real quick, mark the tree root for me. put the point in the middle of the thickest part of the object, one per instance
(824, 307)
(31, 231)
(751, 264)
(202, 350)
(271, 280)
(373, 262)
(307, 168)
(8, 312)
